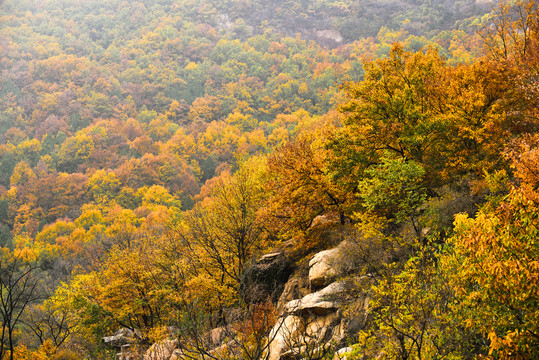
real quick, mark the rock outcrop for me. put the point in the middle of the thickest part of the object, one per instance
(309, 324)
(163, 350)
(312, 323)
(295, 288)
(341, 354)
(328, 265)
(286, 332)
(320, 302)
(311, 320)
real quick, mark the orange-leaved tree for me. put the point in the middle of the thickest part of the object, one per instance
(299, 182)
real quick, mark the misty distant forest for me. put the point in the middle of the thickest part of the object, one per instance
(269, 180)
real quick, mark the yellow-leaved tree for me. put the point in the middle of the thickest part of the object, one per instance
(223, 232)
(495, 261)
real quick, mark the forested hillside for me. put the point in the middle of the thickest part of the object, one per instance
(152, 95)
(152, 151)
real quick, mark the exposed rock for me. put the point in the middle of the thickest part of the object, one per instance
(284, 334)
(342, 353)
(217, 336)
(177, 355)
(295, 288)
(162, 350)
(310, 324)
(122, 337)
(321, 329)
(313, 322)
(298, 335)
(320, 302)
(327, 265)
(223, 21)
(321, 268)
(330, 34)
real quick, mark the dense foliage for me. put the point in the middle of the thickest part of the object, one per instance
(151, 150)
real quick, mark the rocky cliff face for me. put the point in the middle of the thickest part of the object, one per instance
(314, 325)
(319, 309)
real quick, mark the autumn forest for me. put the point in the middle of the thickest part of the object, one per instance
(172, 172)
